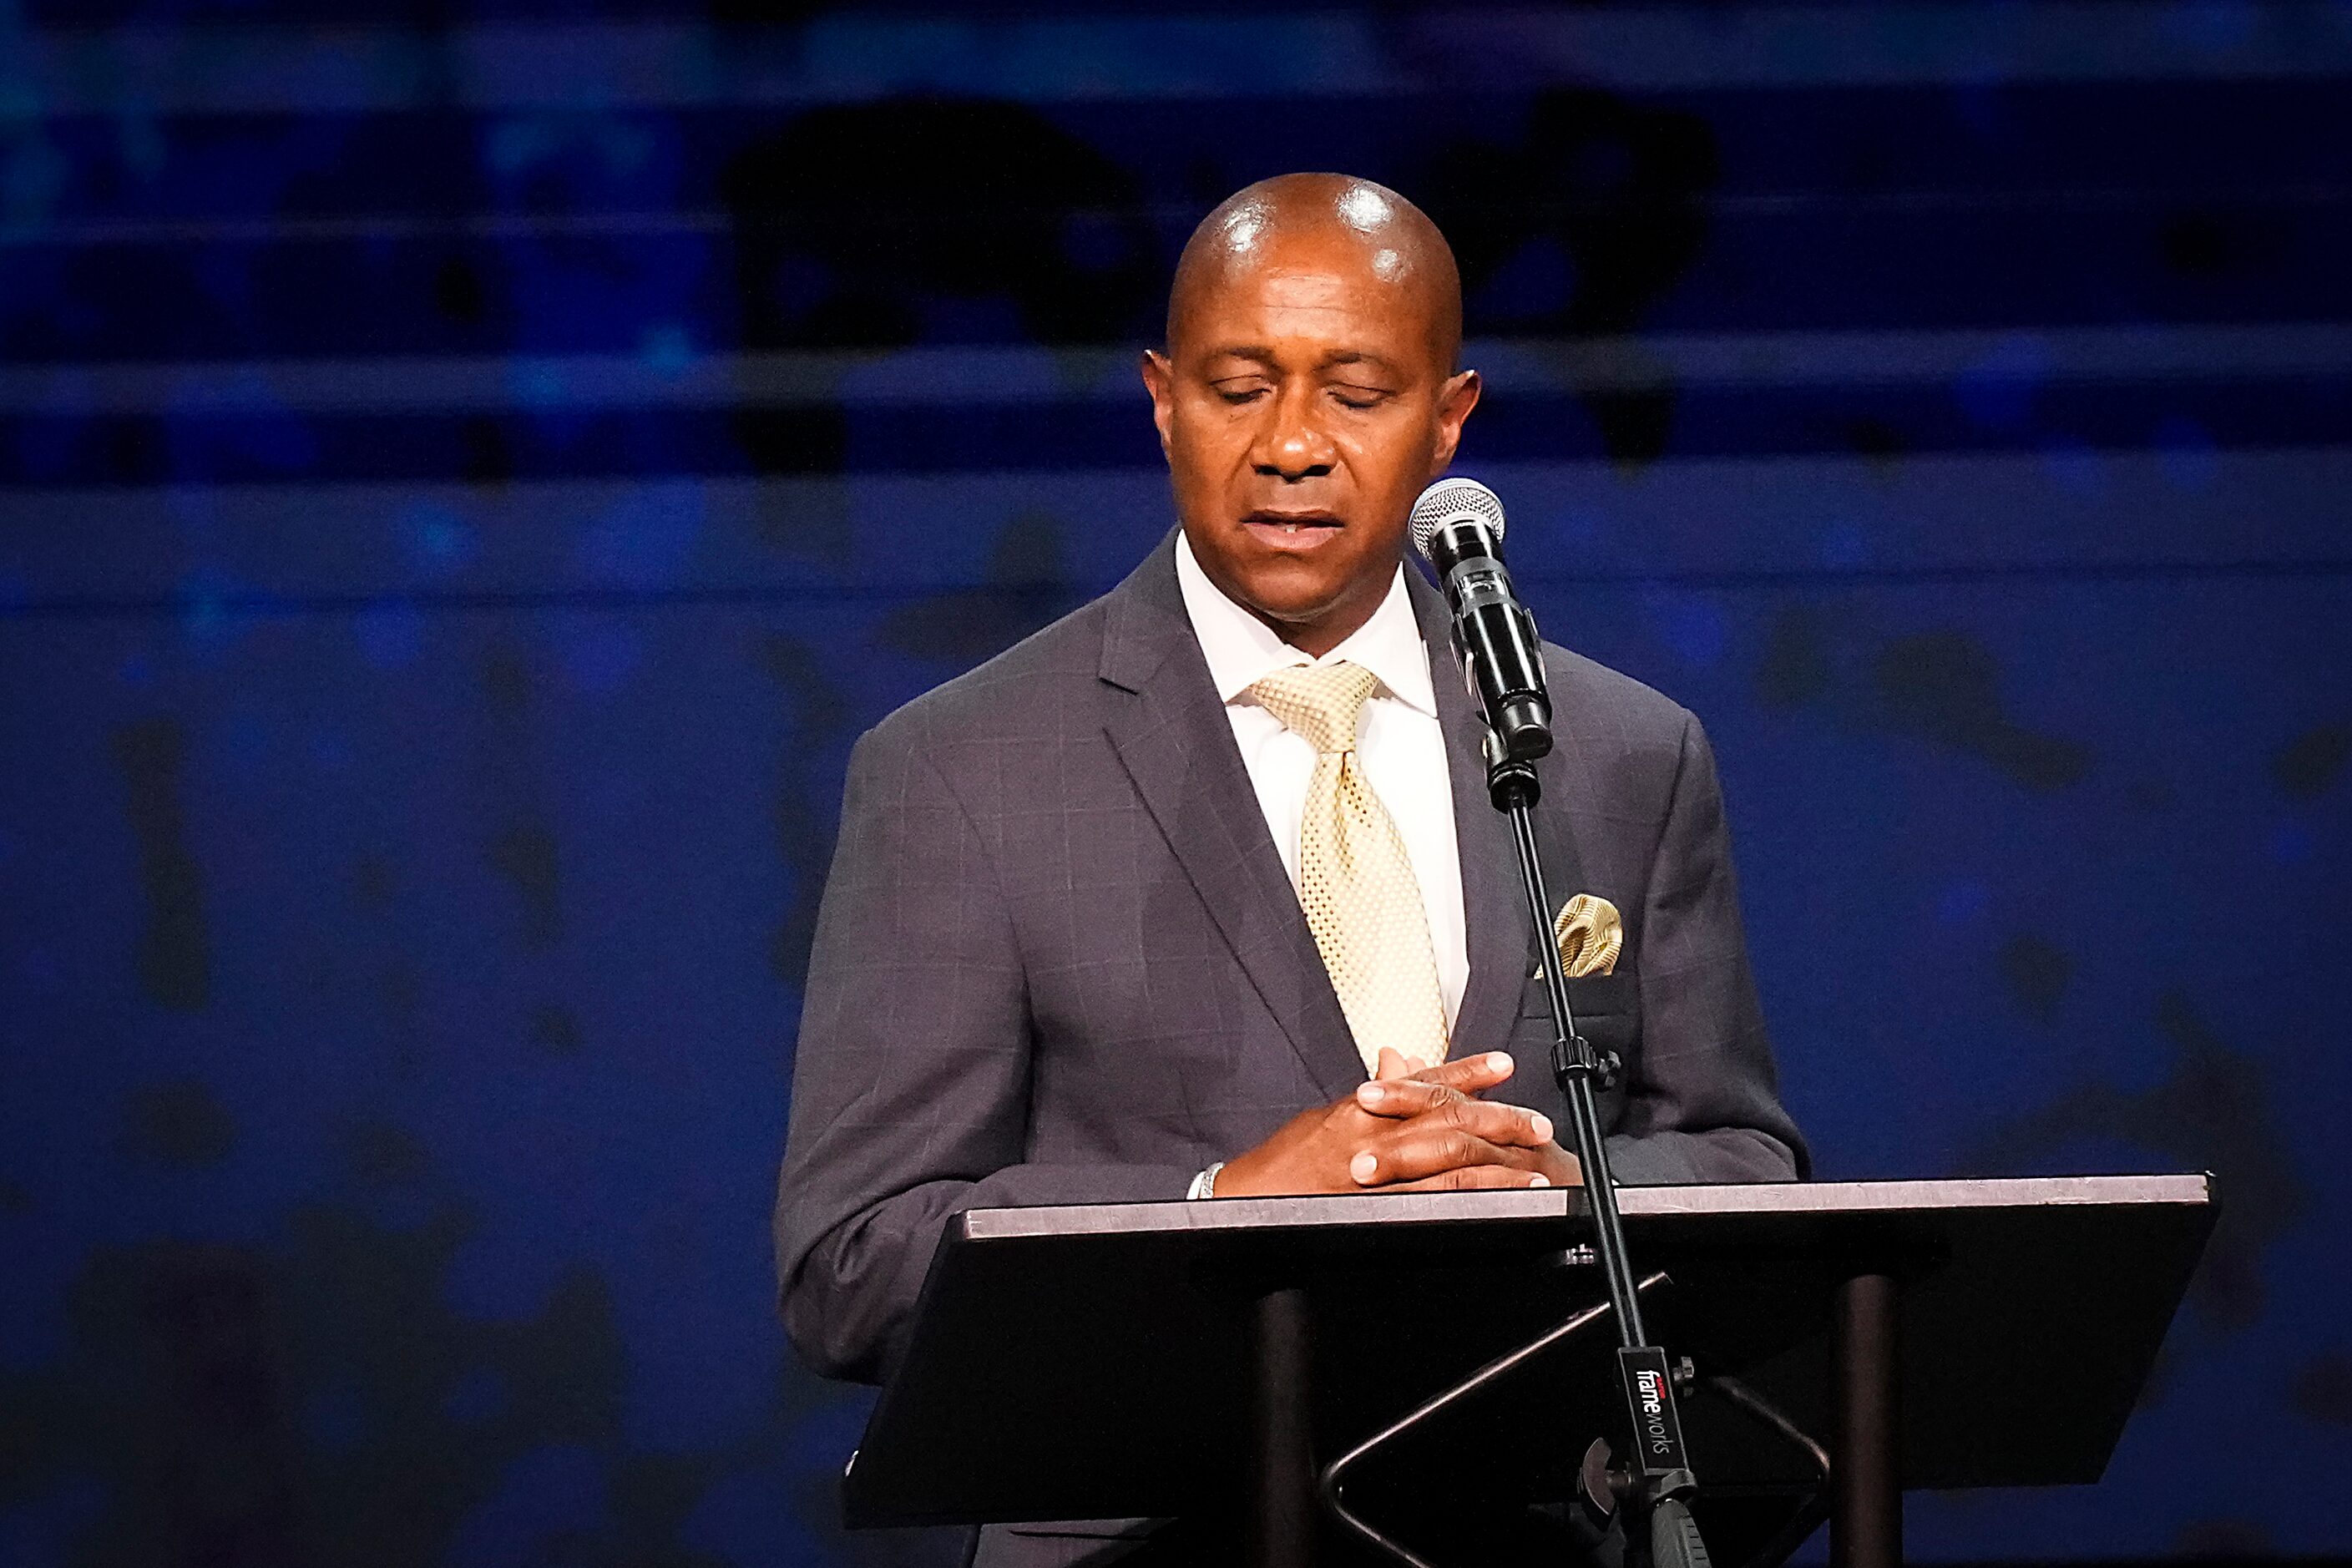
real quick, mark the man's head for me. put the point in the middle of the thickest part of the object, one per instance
(1307, 394)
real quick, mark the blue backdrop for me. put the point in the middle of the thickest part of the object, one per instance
(467, 472)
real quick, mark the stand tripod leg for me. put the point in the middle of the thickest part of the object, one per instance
(1283, 1500)
(1867, 1481)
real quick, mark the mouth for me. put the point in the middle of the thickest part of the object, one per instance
(1293, 529)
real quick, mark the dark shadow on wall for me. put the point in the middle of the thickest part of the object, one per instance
(805, 793)
(2212, 1112)
(851, 220)
(1618, 193)
(1024, 584)
(314, 1401)
(880, 225)
(174, 945)
(300, 1405)
(1943, 686)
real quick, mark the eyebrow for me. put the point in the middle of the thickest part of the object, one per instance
(1266, 357)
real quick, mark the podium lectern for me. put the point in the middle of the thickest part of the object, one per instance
(1176, 1359)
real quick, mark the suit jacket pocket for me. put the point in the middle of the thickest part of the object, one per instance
(1608, 1009)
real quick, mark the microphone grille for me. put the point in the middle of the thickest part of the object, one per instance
(1446, 499)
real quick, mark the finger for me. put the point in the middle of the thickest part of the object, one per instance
(1487, 1120)
(1495, 1122)
(1470, 1074)
(1402, 1097)
(1414, 1093)
(1473, 1178)
(1426, 1147)
(1512, 1126)
(1392, 1063)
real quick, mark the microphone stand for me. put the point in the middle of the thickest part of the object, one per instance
(1663, 1482)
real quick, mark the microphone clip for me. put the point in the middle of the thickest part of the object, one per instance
(1511, 781)
(1574, 1055)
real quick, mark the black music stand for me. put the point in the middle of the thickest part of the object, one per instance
(1175, 1359)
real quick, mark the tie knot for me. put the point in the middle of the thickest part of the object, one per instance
(1321, 702)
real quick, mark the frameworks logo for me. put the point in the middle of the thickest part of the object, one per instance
(1652, 1387)
(1653, 1418)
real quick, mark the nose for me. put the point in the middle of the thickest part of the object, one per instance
(1290, 445)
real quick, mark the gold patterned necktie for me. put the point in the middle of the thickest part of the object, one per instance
(1355, 883)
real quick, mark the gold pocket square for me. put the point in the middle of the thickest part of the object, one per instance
(1591, 936)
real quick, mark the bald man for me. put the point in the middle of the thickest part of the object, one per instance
(1085, 938)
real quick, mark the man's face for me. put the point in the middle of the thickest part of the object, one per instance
(1303, 406)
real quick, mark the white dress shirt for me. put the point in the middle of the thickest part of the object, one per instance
(1398, 742)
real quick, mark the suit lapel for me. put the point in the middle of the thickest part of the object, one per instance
(1177, 745)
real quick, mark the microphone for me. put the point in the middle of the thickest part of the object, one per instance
(1458, 525)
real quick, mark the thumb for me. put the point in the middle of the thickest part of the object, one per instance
(1393, 1065)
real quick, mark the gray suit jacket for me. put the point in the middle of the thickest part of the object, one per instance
(1059, 961)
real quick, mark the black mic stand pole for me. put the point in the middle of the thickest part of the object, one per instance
(1661, 1476)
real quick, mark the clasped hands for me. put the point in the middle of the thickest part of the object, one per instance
(1407, 1131)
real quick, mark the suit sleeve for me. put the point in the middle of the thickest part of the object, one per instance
(1702, 1103)
(911, 1077)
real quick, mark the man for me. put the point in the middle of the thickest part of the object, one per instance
(1197, 891)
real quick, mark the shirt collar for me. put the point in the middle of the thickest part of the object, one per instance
(1241, 649)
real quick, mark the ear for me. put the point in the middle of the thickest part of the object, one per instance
(1455, 399)
(1160, 379)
